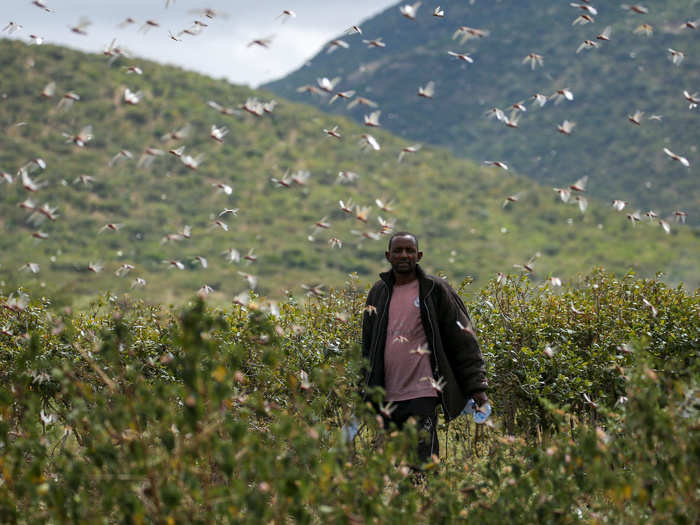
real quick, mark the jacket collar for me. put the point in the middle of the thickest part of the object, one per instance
(425, 282)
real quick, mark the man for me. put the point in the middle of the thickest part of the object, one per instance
(420, 346)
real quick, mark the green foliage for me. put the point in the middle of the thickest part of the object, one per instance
(543, 346)
(631, 72)
(453, 205)
(130, 413)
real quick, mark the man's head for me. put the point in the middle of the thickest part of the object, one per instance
(403, 254)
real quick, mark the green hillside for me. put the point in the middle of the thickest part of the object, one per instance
(454, 205)
(611, 81)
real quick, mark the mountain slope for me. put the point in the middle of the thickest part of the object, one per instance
(611, 81)
(453, 205)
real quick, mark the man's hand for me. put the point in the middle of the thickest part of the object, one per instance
(480, 398)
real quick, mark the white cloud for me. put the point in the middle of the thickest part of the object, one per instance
(220, 50)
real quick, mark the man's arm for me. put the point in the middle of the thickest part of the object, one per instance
(461, 346)
(368, 323)
(368, 326)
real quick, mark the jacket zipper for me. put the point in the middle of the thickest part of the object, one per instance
(430, 321)
(432, 331)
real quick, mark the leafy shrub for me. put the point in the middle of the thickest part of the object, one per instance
(126, 412)
(540, 344)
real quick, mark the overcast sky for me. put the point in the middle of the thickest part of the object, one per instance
(219, 51)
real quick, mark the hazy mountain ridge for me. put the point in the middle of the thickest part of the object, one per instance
(454, 206)
(630, 72)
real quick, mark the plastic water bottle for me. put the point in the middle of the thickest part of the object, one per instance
(350, 430)
(480, 414)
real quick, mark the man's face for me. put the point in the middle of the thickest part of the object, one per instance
(403, 255)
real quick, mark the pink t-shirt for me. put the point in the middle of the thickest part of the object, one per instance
(403, 366)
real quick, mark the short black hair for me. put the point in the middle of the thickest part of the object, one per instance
(403, 234)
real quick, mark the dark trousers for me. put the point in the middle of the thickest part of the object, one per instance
(424, 411)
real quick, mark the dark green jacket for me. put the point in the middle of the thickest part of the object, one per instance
(455, 354)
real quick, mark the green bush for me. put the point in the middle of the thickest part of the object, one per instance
(543, 344)
(126, 412)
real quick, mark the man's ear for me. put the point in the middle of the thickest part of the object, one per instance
(419, 256)
(386, 254)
